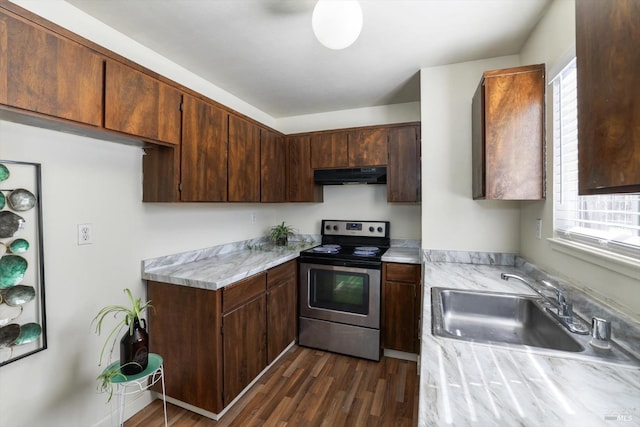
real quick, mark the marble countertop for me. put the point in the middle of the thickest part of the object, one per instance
(402, 255)
(216, 267)
(471, 384)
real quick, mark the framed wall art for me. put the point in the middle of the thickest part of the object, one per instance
(22, 303)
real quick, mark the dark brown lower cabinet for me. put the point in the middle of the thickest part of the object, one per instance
(214, 343)
(184, 328)
(282, 318)
(401, 299)
(245, 351)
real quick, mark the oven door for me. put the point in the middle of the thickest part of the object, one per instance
(340, 294)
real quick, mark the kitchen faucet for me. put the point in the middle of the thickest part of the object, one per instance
(563, 308)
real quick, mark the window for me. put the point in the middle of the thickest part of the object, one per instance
(607, 221)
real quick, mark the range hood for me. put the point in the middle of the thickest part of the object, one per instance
(377, 175)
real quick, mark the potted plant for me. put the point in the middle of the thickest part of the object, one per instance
(134, 344)
(279, 234)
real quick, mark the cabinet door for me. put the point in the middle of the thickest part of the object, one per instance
(608, 60)
(204, 152)
(403, 170)
(244, 341)
(273, 167)
(511, 146)
(401, 307)
(368, 147)
(140, 105)
(282, 284)
(244, 160)
(300, 185)
(281, 318)
(48, 74)
(329, 150)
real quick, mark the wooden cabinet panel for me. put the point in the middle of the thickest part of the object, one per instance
(608, 60)
(284, 273)
(244, 160)
(401, 307)
(282, 284)
(300, 185)
(184, 327)
(161, 173)
(329, 150)
(204, 152)
(508, 134)
(240, 292)
(43, 72)
(368, 147)
(273, 167)
(403, 170)
(245, 346)
(140, 105)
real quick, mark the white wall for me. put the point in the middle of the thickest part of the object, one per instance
(396, 113)
(451, 219)
(554, 36)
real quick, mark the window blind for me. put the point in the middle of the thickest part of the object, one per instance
(606, 221)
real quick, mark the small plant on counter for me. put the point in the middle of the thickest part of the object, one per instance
(279, 234)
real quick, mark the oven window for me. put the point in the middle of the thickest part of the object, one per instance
(339, 290)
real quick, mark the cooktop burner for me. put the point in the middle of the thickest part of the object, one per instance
(357, 241)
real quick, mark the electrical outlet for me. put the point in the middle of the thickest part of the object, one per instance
(538, 229)
(85, 234)
(253, 218)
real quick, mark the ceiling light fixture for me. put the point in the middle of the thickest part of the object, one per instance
(337, 23)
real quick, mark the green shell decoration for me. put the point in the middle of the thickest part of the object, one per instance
(4, 172)
(3, 201)
(21, 200)
(18, 246)
(18, 295)
(10, 224)
(28, 332)
(9, 334)
(12, 269)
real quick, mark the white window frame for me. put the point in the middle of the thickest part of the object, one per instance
(572, 234)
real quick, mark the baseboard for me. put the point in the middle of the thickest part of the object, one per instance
(412, 357)
(213, 415)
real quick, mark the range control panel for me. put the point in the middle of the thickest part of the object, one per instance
(355, 228)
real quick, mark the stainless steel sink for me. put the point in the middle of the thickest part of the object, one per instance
(512, 320)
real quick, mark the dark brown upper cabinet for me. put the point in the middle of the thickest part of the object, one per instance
(45, 73)
(273, 167)
(508, 134)
(244, 160)
(140, 105)
(368, 147)
(300, 185)
(403, 170)
(329, 150)
(608, 64)
(204, 152)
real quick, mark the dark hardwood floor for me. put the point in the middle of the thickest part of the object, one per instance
(313, 388)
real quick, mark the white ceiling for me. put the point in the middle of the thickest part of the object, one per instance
(264, 51)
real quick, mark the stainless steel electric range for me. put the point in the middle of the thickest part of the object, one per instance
(340, 288)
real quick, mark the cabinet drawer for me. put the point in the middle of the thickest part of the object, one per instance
(281, 274)
(402, 272)
(245, 290)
